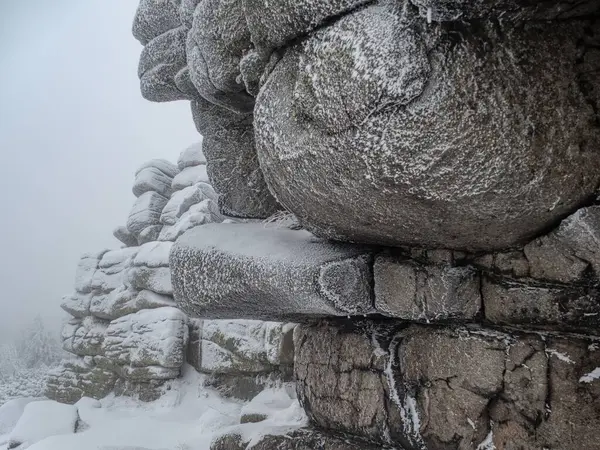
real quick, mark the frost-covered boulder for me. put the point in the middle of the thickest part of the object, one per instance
(216, 43)
(78, 305)
(77, 378)
(84, 337)
(125, 236)
(149, 344)
(149, 234)
(452, 10)
(191, 156)
(245, 346)
(87, 266)
(152, 179)
(190, 176)
(250, 271)
(162, 68)
(353, 141)
(232, 163)
(153, 18)
(146, 212)
(181, 201)
(201, 213)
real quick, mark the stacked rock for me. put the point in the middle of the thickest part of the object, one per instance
(449, 152)
(126, 333)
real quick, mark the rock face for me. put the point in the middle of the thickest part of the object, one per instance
(422, 387)
(218, 272)
(126, 334)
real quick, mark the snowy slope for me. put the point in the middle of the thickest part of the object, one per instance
(189, 416)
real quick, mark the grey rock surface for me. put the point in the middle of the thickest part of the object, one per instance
(152, 341)
(232, 163)
(453, 10)
(410, 291)
(351, 140)
(250, 271)
(550, 306)
(77, 378)
(273, 25)
(181, 202)
(125, 236)
(85, 337)
(149, 234)
(162, 68)
(216, 43)
(303, 439)
(452, 388)
(145, 212)
(189, 177)
(153, 18)
(191, 156)
(152, 179)
(245, 346)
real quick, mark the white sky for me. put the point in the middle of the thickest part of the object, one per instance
(73, 129)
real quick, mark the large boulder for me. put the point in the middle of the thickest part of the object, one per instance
(466, 135)
(251, 271)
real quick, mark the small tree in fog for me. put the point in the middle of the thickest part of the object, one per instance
(37, 346)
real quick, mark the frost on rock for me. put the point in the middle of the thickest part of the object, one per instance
(181, 201)
(189, 177)
(245, 346)
(146, 211)
(152, 179)
(147, 338)
(249, 271)
(191, 156)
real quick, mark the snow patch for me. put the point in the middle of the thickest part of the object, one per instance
(593, 375)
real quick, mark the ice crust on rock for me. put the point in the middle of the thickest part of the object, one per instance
(181, 201)
(248, 270)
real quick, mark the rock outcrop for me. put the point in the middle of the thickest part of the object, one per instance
(441, 162)
(127, 334)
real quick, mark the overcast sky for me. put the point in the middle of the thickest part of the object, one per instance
(73, 129)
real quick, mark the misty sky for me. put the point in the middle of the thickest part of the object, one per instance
(73, 129)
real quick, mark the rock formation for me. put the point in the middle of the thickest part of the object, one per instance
(441, 161)
(127, 334)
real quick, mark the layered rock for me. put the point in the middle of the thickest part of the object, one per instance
(126, 333)
(466, 387)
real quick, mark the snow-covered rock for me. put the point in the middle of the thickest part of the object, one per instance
(251, 271)
(191, 156)
(11, 411)
(146, 211)
(152, 179)
(190, 176)
(85, 271)
(41, 420)
(79, 377)
(201, 213)
(125, 236)
(86, 337)
(77, 304)
(149, 234)
(148, 338)
(245, 346)
(181, 201)
(166, 167)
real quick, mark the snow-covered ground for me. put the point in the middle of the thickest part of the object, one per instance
(187, 417)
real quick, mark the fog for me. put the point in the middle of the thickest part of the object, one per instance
(73, 129)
